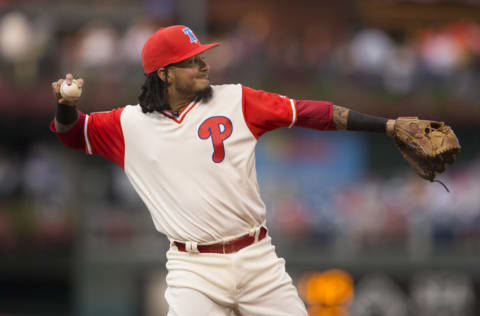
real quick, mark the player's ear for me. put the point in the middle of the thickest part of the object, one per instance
(161, 74)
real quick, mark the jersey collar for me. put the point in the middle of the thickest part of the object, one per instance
(179, 118)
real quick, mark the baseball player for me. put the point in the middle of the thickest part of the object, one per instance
(188, 149)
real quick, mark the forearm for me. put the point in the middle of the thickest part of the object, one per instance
(70, 134)
(65, 117)
(346, 119)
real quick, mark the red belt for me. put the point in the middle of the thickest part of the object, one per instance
(226, 247)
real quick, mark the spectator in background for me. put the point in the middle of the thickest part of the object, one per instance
(98, 46)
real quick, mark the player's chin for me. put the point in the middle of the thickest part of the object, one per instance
(202, 84)
(205, 94)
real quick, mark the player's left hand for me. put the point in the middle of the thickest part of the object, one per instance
(427, 145)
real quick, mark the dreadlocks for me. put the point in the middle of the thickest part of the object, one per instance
(154, 94)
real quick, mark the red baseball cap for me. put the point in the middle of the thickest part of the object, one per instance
(171, 45)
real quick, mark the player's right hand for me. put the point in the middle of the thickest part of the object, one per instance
(56, 89)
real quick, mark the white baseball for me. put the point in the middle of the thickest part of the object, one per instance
(70, 92)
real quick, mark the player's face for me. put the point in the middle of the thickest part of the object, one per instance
(190, 76)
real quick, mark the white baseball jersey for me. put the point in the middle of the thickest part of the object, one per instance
(195, 172)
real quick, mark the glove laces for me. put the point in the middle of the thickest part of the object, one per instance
(442, 184)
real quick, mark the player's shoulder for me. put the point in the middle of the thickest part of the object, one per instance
(135, 108)
(221, 88)
(134, 113)
(226, 90)
(117, 110)
(114, 113)
(236, 87)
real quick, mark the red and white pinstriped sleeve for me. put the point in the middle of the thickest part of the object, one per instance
(99, 133)
(264, 111)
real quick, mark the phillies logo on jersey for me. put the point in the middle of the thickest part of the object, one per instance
(218, 128)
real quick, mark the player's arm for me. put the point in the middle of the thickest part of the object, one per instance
(266, 111)
(98, 133)
(346, 119)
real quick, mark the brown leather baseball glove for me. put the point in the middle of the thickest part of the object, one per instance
(426, 145)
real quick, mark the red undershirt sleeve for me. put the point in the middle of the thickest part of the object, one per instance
(315, 115)
(99, 133)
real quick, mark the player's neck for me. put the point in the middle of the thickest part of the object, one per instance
(178, 102)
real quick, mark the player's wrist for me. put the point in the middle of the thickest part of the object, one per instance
(366, 123)
(390, 128)
(66, 114)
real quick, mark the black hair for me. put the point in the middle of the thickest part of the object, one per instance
(154, 94)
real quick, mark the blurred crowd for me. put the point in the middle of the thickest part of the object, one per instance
(399, 63)
(43, 194)
(401, 211)
(432, 65)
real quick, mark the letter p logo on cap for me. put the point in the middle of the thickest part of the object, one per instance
(189, 32)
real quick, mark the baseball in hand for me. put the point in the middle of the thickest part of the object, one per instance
(70, 92)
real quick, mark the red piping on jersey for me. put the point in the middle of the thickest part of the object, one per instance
(296, 112)
(183, 112)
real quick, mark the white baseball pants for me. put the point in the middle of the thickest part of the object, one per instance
(252, 281)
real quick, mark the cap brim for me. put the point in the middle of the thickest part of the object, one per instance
(194, 52)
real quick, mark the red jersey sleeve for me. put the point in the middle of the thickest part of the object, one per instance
(74, 137)
(99, 133)
(104, 135)
(264, 111)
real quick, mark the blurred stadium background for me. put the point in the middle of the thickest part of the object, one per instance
(361, 234)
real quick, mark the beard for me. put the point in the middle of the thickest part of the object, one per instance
(205, 94)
